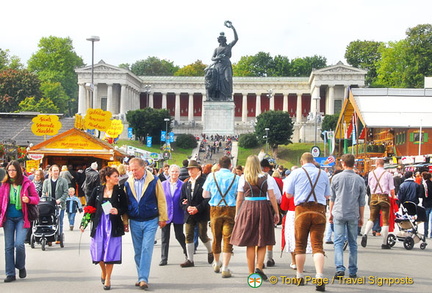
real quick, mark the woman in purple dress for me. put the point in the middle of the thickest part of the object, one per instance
(107, 228)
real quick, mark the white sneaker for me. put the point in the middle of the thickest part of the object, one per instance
(293, 266)
(226, 274)
(216, 267)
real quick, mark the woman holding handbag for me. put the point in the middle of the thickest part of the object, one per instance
(16, 194)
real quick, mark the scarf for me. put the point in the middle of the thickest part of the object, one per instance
(15, 196)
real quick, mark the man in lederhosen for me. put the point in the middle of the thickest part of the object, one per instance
(310, 187)
(381, 187)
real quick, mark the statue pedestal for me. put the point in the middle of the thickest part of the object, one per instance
(218, 118)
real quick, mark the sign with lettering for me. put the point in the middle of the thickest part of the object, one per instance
(74, 142)
(46, 125)
(97, 119)
(115, 129)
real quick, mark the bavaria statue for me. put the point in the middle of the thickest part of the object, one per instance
(218, 76)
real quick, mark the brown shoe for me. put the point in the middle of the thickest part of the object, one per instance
(187, 264)
(143, 285)
(57, 242)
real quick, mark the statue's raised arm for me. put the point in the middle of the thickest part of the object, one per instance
(218, 78)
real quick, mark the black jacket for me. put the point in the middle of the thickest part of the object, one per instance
(118, 200)
(196, 199)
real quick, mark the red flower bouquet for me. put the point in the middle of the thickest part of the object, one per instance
(89, 212)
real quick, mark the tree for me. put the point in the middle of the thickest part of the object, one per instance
(329, 123)
(15, 86)
(280, 128)
(194, 69)
(364, 55)
(55, 61)
(304, 66)
(125, 66)
(148, 122)
(153, 66)
(418, 54)
(243, 67)
(44, 105)
(9, 62)
(259, 65)
(248, 140)
(392, 69)
(282, 66)
(186, 141)
(54, 92)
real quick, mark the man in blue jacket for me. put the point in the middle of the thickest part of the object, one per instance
(146, 210)
(409, 190)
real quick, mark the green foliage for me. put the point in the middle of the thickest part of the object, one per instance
(15, 86)
(194, 69)
(148, 122)
(44, 105)
(262, 64)
(125, 66)
(9, 62)
(55, 92)
(329, 122)
(248, 140)
(55, 61)
(365, 55)
(392, 68)
(280, 128)
(153, 66)
(186, 141)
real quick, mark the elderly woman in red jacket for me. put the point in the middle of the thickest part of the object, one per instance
(16, 193)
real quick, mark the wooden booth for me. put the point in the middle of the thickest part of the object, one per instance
(77, 148)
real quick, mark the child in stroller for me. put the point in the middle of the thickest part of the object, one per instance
(46, 229)
(408, 223)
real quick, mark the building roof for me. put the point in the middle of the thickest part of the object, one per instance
(396, 108)
(17, 127)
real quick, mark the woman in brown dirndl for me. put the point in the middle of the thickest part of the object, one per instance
(255, 216)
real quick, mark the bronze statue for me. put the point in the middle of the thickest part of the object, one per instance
(218, 76)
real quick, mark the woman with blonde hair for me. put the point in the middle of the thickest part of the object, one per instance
(255, 219)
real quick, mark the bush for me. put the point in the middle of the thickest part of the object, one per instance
(248, 140)
(186, 141)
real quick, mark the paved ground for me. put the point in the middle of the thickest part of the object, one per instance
(69, 269)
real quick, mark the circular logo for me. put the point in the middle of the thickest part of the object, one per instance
(254, 280)
(315, 151)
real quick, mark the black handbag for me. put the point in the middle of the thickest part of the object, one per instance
(32, 212)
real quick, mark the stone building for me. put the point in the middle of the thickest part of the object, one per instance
(304, 98)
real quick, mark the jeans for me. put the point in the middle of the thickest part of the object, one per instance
(428, 223)
(376, 226)
(71, 218)
(143, 235)
(328, 232)
(14, 236)
(350, 228)
(61, 217)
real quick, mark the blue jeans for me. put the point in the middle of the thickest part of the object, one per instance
(71, 217)
(143, 235)
(328, 232)
(14, 236)
(350, 228)
(428, 223)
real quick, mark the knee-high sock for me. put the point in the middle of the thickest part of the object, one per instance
(208, 245)
(190, 249)
(368, 228)
(384, 233)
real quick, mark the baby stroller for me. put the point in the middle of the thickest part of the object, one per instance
(408, 222)
(46, 229)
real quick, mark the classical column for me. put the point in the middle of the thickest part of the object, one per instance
(204, 98)
(96, 104)
(244, 108)
(190, 108)
(314, 97)
(330, 107)
(258, 105)
(346, 89)
(164, 100)
(110, 104)
(177, 107)
(82, 99)
(272, 103)
(285, 103)
(150, 100)
(123, 99)
(299, 108)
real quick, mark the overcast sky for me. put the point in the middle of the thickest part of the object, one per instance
(183, 31)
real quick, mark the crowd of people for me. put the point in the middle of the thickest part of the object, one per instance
(242, 205)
